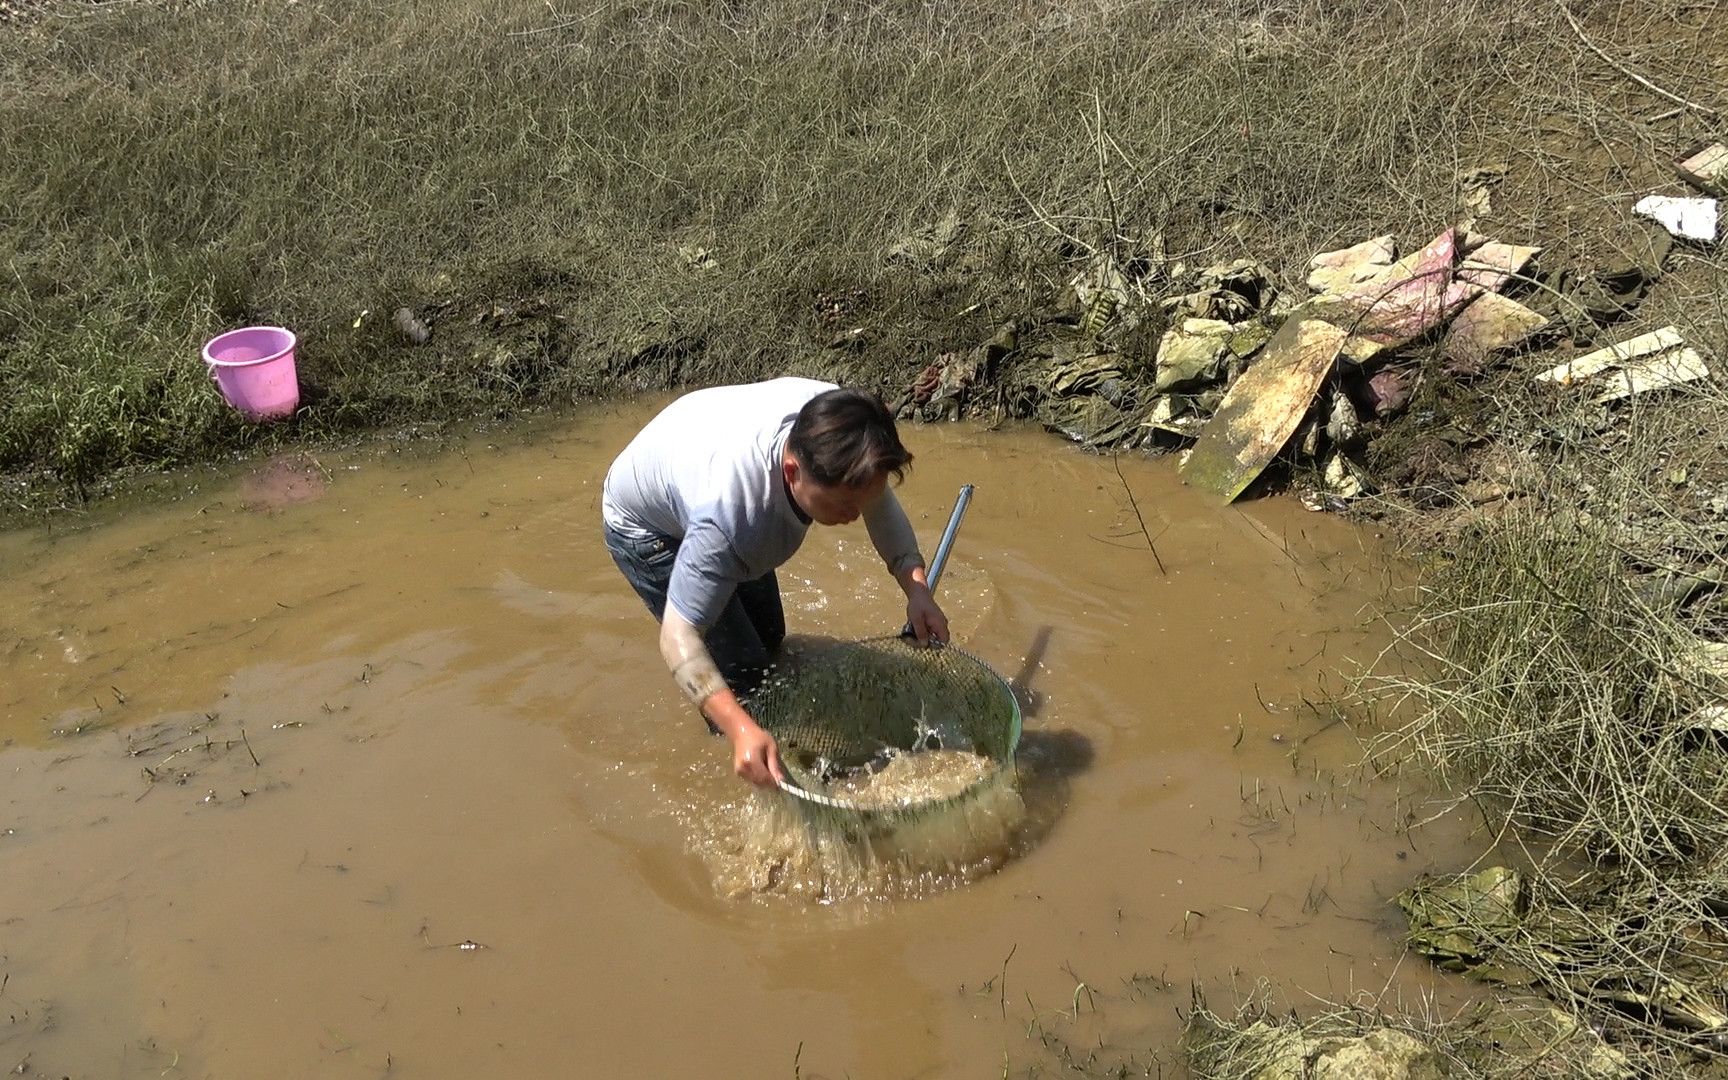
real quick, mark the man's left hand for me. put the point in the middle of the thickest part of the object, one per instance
(925, 617)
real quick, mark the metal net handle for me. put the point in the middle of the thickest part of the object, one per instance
(945, 545)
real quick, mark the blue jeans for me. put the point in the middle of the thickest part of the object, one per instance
(748, 634)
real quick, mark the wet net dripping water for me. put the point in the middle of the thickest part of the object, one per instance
(767, 845)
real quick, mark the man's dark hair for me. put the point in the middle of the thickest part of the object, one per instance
(846, 438)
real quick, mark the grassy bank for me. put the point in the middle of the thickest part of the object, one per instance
(583, 201)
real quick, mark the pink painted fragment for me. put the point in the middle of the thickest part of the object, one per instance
(1413, 296)
(1493, 322)
(1389, 391)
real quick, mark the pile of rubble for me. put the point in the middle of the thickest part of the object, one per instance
(1217, 360)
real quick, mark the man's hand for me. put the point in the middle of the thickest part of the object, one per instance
(755, 755)
(924, 616)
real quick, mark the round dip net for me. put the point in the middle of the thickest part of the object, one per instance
(875, 732)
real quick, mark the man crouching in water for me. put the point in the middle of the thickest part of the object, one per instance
(716, 493)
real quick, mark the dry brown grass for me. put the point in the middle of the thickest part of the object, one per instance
(531, 177)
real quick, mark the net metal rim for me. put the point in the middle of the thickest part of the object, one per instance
(1007, 762)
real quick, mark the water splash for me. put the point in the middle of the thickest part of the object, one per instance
(770, 846)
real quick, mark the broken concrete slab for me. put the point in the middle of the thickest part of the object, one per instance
(1248, 338)
(1707, 169)
(1407, 300)
(1493, 264)
(1264, 407)
(1686, 218)
(1176, 415)
(1594, 363)
(1491, 323)
(1456, 922)
(1343, 424)
(1284, 1052)
(1343, 477)
(1659, 372)
(1337, 272)
(1192, 355)
(1379, 1055)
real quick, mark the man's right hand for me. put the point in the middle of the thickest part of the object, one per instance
(755, 755)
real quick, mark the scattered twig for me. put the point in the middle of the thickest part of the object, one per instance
(1135, 503)
(1626, 71)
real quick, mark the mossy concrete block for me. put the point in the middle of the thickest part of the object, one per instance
(1192, 355)
(1380, 1055)
(1284, 1053)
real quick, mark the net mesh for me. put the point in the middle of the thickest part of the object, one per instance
(937, 720)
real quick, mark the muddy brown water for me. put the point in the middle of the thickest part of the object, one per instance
(365, 765)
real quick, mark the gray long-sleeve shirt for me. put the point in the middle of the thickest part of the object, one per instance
(706, 471)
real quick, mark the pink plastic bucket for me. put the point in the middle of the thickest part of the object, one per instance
(254, 369)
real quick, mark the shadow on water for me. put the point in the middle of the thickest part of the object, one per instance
(1031, 701)
(1048, 760)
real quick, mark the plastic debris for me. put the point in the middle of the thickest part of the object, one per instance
(698, 258)
(1193, 355)
(1473, 186)
(1686, 218)
(411, 326)
(931, 245)
(1231, 291)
